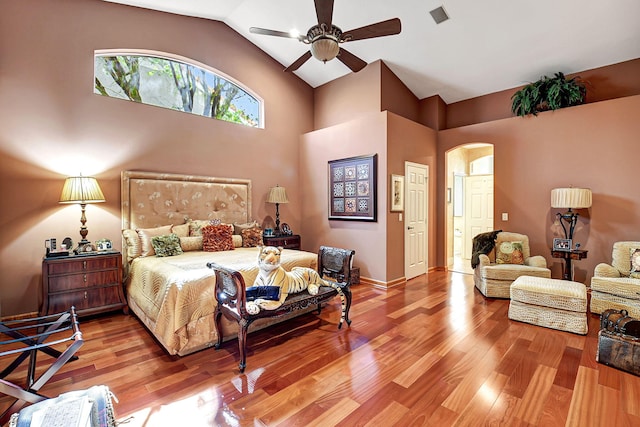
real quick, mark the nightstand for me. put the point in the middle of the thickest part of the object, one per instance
(92, 283)
(287, 242)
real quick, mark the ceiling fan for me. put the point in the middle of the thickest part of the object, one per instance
(325, 38)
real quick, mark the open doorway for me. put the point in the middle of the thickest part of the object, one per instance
(469, 197)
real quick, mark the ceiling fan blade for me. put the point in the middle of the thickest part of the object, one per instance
(350, 60)
(384, 28)
(265, 32)
(324, 12)
(304, 58)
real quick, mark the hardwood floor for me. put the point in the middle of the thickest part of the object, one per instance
(431, 353)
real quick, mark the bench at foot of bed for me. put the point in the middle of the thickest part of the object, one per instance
(333, 263)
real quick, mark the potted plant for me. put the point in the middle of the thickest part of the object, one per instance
(548, 94)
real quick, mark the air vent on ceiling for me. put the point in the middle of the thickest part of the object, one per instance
(439, 15)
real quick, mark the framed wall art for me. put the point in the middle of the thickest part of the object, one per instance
(397, 193)
(352, 188)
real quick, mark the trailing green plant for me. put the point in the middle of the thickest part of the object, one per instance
(548, 94)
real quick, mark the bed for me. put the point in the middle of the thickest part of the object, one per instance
(173, 296)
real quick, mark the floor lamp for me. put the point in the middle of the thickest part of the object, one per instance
(570, 198)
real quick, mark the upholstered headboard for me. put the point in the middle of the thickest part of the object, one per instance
(151, 199)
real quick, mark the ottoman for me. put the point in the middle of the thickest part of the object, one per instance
(552, 303)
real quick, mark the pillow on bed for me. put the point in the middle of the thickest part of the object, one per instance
(217, 238)
(166, 245)
(132, 242)
(237, 241)
(146, 234)
(181, 230)
(191, 243)
(252, 237)
(238, 228)
(195, 226)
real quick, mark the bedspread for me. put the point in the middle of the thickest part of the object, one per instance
(175, 296)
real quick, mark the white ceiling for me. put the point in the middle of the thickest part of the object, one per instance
(485, 46)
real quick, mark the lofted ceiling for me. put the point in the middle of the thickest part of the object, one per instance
(485, 46)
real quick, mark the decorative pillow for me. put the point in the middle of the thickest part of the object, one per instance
(195, 226)
(263, 292)
(252, 237)
(145, 234)
(238, 228)
(237, 241)
(167, 245)
(191, 243)
(181, 230)
(132, 241)
(634, 271)
(217, 238)
(509, 253)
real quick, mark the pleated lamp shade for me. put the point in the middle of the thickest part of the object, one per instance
(81, 189)
(571, 198)
(277, 194)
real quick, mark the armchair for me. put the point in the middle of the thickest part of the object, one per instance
(493, 277)
(615, 285)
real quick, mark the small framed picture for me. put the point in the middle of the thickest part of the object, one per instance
(561, 244)
(397, 193)
(286, 230)
(104, 245)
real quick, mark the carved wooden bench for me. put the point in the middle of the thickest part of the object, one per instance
(333, 263)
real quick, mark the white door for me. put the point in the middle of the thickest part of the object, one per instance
(478, 207)
(415, 233)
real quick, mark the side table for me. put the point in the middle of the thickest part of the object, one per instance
(287, 242)
(569, 256)
(91, 283)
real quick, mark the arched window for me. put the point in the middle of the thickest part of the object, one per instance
(169, 81)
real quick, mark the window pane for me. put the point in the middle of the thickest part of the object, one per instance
(175, 84)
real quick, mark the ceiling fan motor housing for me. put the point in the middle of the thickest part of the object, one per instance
(324, 44)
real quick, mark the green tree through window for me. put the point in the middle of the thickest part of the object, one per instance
(178, 84)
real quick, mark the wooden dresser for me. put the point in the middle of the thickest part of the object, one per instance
(286, 241)
(91, 283)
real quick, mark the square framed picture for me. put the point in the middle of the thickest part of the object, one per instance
(561, 244)
(352, 188)
(397, 193)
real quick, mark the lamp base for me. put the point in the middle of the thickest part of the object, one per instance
(84, 246)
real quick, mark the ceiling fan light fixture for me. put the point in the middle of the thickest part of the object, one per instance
(324, 49)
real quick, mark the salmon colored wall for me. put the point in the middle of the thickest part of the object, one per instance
(348, 97)
(610, 82)
(362, 136)
(53, 125)
(406, 140)
(395, 97)
(590, 145)
(412, 142)
(433, 112)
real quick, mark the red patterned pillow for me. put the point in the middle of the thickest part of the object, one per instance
(252, 237)
(217, 238)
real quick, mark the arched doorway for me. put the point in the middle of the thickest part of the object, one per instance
(469, 197)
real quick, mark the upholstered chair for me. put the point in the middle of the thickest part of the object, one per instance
(509, 259)
(617, 285)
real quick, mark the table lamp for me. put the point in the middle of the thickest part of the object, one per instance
(277, 195)
(570, 198)
(82, 190)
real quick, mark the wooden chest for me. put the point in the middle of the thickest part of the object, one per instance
(355, 275)
(618, 351)
(91, 283)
